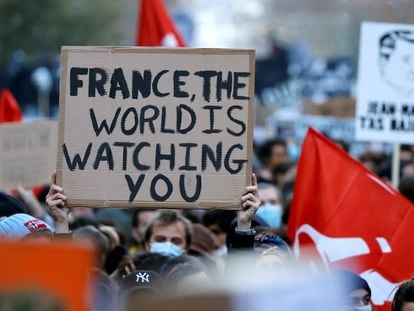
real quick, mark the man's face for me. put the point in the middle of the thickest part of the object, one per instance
(174, 233)
(399, 69)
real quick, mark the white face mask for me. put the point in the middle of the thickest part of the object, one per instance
(166, 248)
(221, 251)
(271, 214)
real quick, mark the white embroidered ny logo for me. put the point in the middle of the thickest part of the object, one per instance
(142, 277)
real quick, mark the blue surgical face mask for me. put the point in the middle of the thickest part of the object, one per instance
(293, 152)
(166, 248)
(271, 213)
(365, 308)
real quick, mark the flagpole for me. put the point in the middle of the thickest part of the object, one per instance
(395, 172)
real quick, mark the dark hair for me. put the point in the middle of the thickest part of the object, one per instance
(265, 150)
(283, 168)
(95, 235)
(178, 268)
(351, 281)
(222, 219)
(150, 261)
(10, 205)
(404, 293)
(43, 194)
(83, 221)
(406, 187)
(166, 218)
(388, 41)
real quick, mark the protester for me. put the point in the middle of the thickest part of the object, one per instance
(9, 205)
(406, 187)
(140, 220)
(139, 287)
(186, 274)
(34, 207)
(404, 297)
(95, 239)
(168, 233)
(356, 291)
(272, 153)
(270, 209)
(19, 226)
(219, 222)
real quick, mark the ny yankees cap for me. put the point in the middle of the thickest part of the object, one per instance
(142, 281)
(18, 226)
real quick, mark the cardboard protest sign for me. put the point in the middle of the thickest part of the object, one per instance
(27, 153)
(385, 98)
(44, 276)
(157, 128)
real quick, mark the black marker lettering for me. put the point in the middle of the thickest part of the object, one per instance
(77, 160)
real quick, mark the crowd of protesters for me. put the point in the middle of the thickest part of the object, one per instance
(144, 254)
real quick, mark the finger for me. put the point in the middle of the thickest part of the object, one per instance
(254, 179)
(127, 270)
(247, 197)
(55, 189)
(54, 177)
(56, 203)
(248, 189)
(53, 200)
(132, 265)
(59, 195)
(247, 205)
(243, 209)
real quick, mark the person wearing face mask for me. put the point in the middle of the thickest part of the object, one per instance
(168, 234)
(357, 293)
(404, 297)
(270, 209)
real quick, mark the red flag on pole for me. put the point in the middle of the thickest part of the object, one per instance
(351, 219)
(156, 27)
(9, 108)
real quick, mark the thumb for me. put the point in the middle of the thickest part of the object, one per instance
(254, 179)
(54, 177)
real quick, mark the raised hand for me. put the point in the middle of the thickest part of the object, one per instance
(56, 201)
(249, 203)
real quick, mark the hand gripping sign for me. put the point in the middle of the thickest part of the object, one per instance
(155, 127)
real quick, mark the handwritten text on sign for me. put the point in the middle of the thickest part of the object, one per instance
(144, 127)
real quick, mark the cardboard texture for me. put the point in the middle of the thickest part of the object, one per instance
(27, 153)
(178, 131)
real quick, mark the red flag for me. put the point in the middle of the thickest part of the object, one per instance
(9, 108)
(156, 27)
(352, 218)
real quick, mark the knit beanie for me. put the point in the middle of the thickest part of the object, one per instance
(18, 226)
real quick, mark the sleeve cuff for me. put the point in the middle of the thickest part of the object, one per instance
(245, 232)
